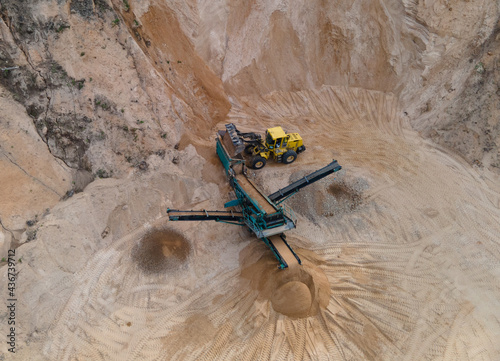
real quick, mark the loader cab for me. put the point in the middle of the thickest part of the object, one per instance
(276, 138)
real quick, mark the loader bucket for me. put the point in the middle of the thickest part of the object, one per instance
(232, 141)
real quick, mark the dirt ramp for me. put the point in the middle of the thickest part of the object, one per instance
(296, 293)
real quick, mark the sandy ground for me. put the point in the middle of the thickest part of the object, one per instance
(411, 272)
(400, 250)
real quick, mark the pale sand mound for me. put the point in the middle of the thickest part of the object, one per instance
(299, 292)
(292, 299)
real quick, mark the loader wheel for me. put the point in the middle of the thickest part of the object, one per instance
(258, 162)
(289, 157)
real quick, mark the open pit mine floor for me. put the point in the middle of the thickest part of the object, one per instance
(401, 257)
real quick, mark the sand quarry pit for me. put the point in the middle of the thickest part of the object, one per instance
(400, 249)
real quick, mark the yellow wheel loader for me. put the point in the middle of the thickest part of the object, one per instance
(278, 145)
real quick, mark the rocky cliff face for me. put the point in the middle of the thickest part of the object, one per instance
(107, 115)
(83, 90)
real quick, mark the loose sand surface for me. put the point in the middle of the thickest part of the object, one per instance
(409, 270)
(400, 250)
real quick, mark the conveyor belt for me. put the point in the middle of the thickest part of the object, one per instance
(303, 182)
(284, 250)
(255, 194)
(176, 215)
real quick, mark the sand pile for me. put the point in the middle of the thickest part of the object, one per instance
(161, 250)
(295, 292)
